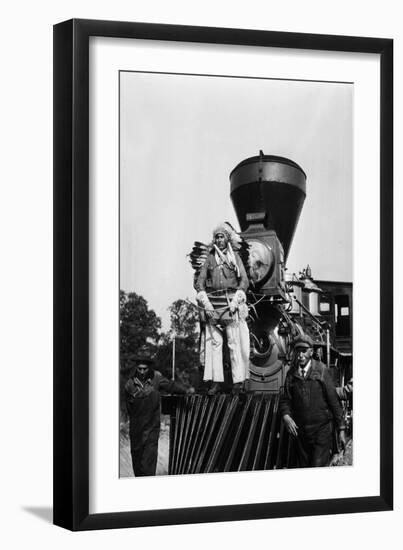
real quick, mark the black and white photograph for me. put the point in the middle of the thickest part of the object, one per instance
(201, 292)
(236, 273)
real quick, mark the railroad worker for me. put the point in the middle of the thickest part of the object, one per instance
(223, 275)
(144, 408)
(310, 407)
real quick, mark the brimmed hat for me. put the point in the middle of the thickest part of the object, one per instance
(303, 341)
(143, 359)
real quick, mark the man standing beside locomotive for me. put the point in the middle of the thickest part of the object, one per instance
(310, 407)
(223, 275)
(143, 404)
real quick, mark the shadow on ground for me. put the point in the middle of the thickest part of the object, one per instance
(44, 513)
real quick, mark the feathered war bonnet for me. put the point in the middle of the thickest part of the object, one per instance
(229, 232)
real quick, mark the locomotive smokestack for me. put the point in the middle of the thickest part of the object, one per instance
(275, 188)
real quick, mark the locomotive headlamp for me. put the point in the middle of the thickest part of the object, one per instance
(261, 261)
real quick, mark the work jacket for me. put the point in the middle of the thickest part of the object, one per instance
(311, 401)
(143, 403)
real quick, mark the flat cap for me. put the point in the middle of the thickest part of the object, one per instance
(143, 357)
(303, 341)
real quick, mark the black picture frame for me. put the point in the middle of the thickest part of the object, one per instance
(71, 273)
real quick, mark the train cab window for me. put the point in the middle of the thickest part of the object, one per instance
(342, 316)
(324, 307)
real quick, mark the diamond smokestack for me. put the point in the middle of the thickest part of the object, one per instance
(273, 186)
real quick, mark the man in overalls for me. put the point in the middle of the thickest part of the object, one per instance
(143, 403)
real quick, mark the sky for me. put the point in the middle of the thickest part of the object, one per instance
(180, 137)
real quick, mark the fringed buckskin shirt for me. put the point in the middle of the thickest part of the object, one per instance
(221, 276)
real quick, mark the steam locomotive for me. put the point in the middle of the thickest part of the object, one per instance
(244, 432)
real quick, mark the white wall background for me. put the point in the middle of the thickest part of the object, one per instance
(26, 276)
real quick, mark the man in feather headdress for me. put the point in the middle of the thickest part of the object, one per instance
(221, 287)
